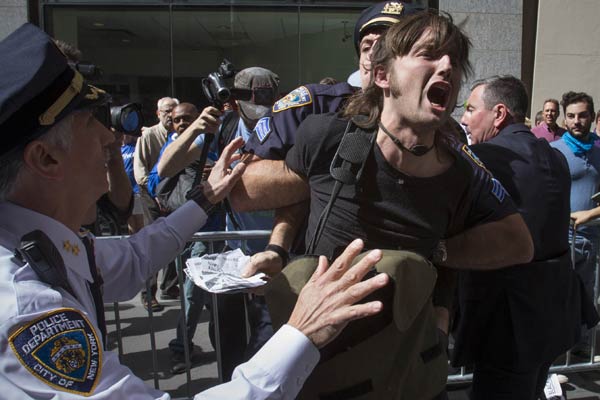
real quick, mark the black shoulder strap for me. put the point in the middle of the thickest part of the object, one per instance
(228, 128)
(346, 169)
(39, 252)
(226, 135)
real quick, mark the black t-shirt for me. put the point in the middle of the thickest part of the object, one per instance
(389, 209)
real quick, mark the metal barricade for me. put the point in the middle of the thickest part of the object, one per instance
(568, 366)
(210, 237)
(207, 237)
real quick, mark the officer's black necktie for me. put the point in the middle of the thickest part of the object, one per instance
(96, 287)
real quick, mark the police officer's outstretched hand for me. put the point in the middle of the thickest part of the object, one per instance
(207, 122)
(222, 178)
(327, 302)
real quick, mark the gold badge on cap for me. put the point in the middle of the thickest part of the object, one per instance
(393, 8)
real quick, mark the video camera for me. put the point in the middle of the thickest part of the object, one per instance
(126, 118)
(217, 92)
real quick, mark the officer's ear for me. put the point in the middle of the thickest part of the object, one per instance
(44, 159)
(501, 115)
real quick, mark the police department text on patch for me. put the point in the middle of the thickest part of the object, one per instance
(296, 98)
(60, 348)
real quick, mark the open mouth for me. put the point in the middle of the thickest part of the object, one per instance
(438, 94)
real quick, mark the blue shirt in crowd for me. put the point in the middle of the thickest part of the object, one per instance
(585, 180)
(127, 151)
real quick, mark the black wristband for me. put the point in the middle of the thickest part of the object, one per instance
(281, 252)
(197, 194)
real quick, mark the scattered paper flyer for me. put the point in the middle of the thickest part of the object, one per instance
(552, 390)
(220, 273)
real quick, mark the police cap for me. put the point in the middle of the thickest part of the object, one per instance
(385, 13)
(37, 88)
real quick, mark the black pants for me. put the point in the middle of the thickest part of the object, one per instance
(496, 383)
(232, 329)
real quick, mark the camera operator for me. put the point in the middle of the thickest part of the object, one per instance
(263, 86)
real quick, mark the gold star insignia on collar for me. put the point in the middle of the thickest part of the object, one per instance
(71, 248)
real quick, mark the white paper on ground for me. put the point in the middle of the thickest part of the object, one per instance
(220, 273)
(552, 388)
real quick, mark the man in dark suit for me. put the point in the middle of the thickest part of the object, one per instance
(512, 323)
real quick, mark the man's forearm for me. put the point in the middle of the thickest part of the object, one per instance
(267, 185)
(288, 221)
(490, 246)
(177, 155)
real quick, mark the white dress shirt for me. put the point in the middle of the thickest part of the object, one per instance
(42, 326)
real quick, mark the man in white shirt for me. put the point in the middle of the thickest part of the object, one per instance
(54, 278)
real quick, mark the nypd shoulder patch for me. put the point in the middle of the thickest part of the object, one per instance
(473, 157)
(263, 128)
(61, 349)
(498, 190)
(296, 98)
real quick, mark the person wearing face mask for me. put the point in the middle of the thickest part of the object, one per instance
(228, 125)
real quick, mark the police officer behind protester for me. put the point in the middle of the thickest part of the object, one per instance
(420, 190)
(512, 323)
(276, 133)
(52, 170)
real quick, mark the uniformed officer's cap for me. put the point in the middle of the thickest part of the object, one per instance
(37, 87)
(384, 14)
(265, 87)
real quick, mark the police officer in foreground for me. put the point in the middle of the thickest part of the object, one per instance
(56, 277)
(275, 134)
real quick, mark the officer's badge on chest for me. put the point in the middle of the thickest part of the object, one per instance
(296, 98)
(61, 349)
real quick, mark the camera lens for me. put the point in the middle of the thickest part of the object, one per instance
(130, 120)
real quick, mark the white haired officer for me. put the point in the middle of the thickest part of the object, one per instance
(52, 169)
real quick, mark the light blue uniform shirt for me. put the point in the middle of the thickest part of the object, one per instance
(57, 324)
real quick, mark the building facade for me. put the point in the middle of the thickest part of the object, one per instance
(151, 48)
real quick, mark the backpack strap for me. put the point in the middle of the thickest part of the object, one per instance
(346, 169)
(229, 125)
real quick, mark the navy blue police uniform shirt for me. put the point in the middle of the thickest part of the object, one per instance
(275, 133)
